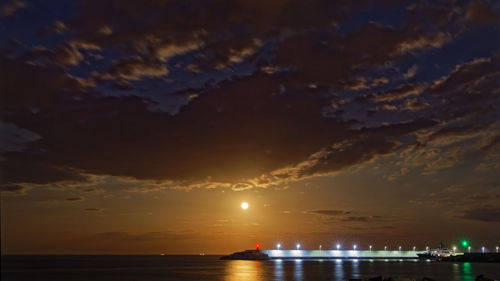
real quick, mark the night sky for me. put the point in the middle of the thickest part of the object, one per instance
(139, 127)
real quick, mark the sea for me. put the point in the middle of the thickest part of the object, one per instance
(208, 268)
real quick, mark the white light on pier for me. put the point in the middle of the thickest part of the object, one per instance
(468, 248)
(482, 249)
(338, 247)
(370, 248)
(298, 247)
(400, 248)
(320, 247)
(354, 247)
(427, 248)
(414, 248)
(497, 249)
(385, 248)
(454, 249)
(278, 246)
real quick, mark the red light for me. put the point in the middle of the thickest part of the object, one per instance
(257, 245)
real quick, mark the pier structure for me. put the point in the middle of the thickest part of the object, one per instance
(341, 254)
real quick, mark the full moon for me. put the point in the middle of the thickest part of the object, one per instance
(244, 205)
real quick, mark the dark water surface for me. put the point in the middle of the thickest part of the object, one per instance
(156, 268)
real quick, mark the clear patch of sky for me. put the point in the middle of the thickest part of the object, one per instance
(98, 60)
(393, 16)
(479, 42)
(164, 91)
(25, 24)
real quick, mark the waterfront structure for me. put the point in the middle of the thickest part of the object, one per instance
(341, 254)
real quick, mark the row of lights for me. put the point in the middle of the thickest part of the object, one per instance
(483, 249)
(354, 247)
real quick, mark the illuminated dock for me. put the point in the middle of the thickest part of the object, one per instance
(341, 254)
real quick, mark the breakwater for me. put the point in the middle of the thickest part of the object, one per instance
(474, 257)
(340, 254)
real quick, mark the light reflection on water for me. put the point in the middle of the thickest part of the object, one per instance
(355, 269)
(299, 270)
(210, 268)
(244, 271)
(278, 270)
(456, 269)
(339, 269)
(466, 272)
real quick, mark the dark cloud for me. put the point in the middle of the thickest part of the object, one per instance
(241, 186)
(142, 237)
(479, 12)
(491, 144)
(397, 93)
(9, 8)
(225, 32)
(483, 197)
(330, 212)
(57, 27)
(414, 105)
(15, 188)
(470, 83)
(230, 24)
(361, 218)
(484, 213)
(372, 228)
(48, 87)
(458, 131)
(368, 144)
(93, 209)
(457, 196)
(242, 131)
(14, 138)
(74, 199)
(28, 167)
(212, 132)
(207, 139)
(65, 54)
(312, 54)
(134, 68)
(446, 134)
(441, 14)
(343, 216)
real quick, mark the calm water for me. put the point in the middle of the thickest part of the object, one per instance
(156, 268)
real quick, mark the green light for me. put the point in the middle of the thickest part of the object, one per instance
(465, 243)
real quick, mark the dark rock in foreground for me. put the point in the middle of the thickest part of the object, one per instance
(483, 278)
(246, 255)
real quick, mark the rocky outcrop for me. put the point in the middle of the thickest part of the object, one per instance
(483, 278)
(246, 255)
